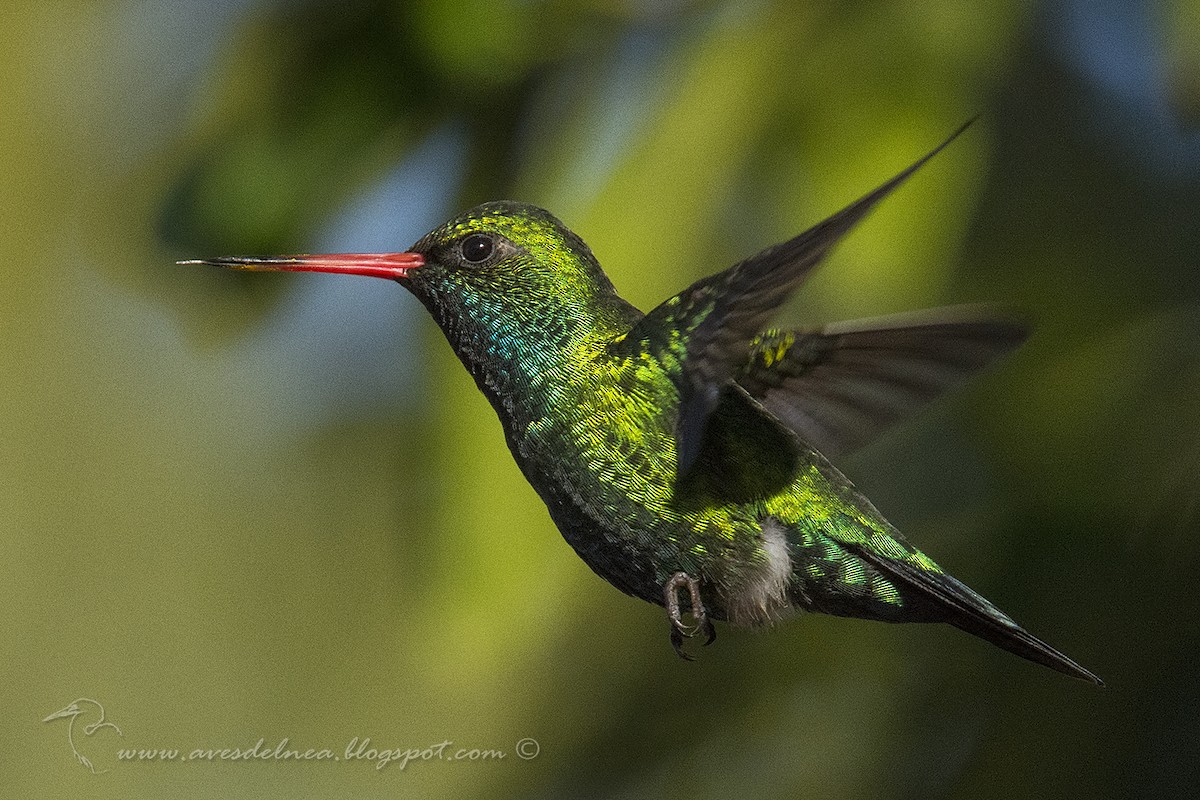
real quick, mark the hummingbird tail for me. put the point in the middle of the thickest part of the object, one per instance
(951, 601)
(1001, 631)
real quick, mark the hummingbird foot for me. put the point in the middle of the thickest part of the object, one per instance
(679, 629)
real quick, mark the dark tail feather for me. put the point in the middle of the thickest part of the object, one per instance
(1003, 632)
(956, 603)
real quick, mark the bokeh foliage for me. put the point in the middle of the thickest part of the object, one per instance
(210, 535)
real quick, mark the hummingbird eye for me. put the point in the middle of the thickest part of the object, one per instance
(477, 248)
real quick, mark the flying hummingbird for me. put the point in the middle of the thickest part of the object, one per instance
(684, 453)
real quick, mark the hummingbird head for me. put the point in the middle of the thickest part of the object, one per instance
(510, 285)
(508, 269)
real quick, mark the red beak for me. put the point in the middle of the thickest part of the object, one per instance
(374, 265)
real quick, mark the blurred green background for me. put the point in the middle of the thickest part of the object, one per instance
(238, 507)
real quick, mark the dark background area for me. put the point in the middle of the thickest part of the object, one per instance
(236, 507)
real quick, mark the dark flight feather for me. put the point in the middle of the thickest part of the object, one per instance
(719, 316)
(842, 385)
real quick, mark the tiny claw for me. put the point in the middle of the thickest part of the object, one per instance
(677, 643)
(679, 630)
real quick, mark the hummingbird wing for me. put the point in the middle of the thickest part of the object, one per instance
(841, 385)
(709, 327)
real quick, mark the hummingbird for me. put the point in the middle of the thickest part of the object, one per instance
(684, 453)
